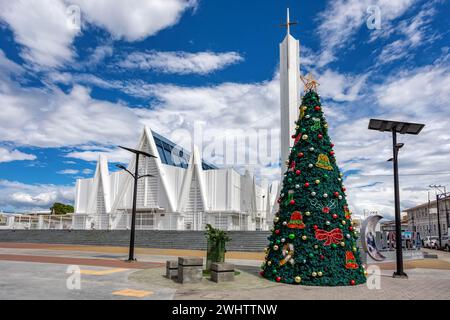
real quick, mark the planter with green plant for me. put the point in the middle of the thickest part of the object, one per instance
(216, 241)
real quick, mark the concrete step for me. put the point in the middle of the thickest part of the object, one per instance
(254, 241)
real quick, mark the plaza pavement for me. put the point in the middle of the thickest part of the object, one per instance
(39, 271)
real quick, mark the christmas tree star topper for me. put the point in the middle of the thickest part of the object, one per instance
(309, 82)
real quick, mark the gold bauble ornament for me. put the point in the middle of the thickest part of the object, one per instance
(354, 249)
(314, 274)
(307, 213)
(317, 181)
(269, 263)
(304, 237)
(343, 244)
(344, 222)
(320, 273)
(298, 279)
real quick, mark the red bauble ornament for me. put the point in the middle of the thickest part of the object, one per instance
(301, 155)
(319, 136)
(279, 200)
(350, 228)
(277, 279)
(261, 273)
(298, 172)
(277, 231)
(292, 202)
(317, 108)
(331, 153)
(293, 136)
(352, 282)
(335, 216)
(343, 189)
(336, 194)
(315, 227)
(322, 257)
(332, 145)
(306, 184)
(326, 210)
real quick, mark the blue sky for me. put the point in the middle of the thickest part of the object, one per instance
(67, 94)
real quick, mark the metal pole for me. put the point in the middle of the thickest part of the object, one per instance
(133, 213)
(446, 211)
(398, 222)
(429, 215)
(439, 221)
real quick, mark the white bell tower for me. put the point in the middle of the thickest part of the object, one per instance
(289, 89)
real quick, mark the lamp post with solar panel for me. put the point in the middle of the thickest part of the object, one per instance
(402, 128)
(136, 177)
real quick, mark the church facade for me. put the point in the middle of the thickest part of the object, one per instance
(179, 195)
(185, 192)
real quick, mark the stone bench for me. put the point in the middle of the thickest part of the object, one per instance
(190, 270)
(172, 269)
(221, 272)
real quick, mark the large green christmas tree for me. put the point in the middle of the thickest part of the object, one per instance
(313, 240)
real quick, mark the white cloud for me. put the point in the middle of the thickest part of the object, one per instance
(43, 27)
(414, 32)
(69, 171)
(342, 19)
(52, 118)
(99, 54)
(87, 171)
(340, 87)
(20, 196)
(112, 154)
(14, 155)
(180, 62)
(134, 19)
(417, 91)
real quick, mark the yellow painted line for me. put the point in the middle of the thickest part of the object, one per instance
(101, 272)
(133, 293)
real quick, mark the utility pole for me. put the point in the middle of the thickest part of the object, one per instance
(429, 215)
(443, 195)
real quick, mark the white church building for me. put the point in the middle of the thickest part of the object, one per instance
(185, 192)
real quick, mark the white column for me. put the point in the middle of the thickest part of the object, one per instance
(289, 92)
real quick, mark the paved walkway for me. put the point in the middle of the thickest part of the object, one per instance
(40, 271)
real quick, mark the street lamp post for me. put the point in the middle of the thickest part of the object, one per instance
(402, 128)
(136, 177)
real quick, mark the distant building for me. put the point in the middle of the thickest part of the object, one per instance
(423, 218)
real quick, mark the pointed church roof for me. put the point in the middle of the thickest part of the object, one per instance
(101, 184)
(194, 168)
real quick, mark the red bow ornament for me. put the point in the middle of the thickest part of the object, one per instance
(333, 236)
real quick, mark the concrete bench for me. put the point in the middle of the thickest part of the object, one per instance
(221, 272)
(190, 270)
(172, 269)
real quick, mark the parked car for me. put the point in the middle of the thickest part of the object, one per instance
(430, 242)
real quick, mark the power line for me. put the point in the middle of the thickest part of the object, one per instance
(404, 174)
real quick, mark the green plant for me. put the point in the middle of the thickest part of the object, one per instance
(61, 209)
(216, 245)
(216, 235)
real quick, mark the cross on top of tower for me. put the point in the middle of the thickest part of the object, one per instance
(288, 23)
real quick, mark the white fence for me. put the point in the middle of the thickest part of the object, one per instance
(144, 221)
